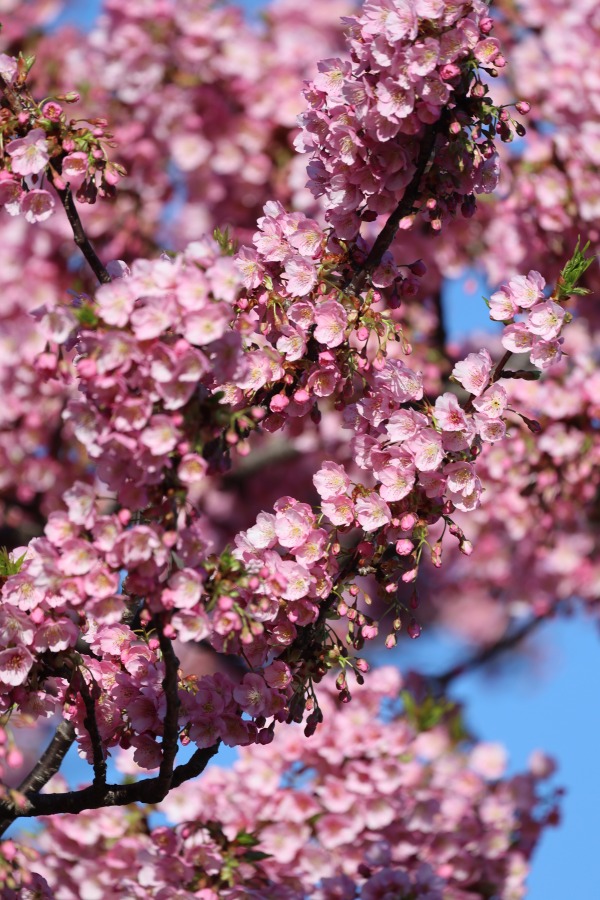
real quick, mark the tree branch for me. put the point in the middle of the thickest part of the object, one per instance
(170, 686)
(404, 208)
(91, 726)
(47, 766)
(96, 796)
(488, 654)
(81, 238)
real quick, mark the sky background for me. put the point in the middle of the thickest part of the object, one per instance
(552, 704)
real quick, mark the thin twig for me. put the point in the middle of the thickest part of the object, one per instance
(404, 208)
(81, 238)
(440, 333)
(488, 654)
(91, 725)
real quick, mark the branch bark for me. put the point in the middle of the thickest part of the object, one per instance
(96, 796)
(81, 238)
(91, 725)
(171, 722)
(47, 766)
(404, 208)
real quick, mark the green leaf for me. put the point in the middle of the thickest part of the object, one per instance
(429, 713)
(86, 315)
(256, 856)
(225, 241)
(9, 566)
(244, 839)
(572, 271)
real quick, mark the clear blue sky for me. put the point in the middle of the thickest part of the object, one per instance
(557, 711)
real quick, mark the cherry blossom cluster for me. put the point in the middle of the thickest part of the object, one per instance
(39, 143)
(157, 345)
(412, 83)
(354, 827)
(538, 334)
(552, 182)
(64, 637)
(534, 550)
(421, 459)
(179, 360)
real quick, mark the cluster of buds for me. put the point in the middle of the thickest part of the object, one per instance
(43, 149)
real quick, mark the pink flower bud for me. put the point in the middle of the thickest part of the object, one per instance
(404, 547)
(414, 629)
(408, 522)
(301, 396)
(450, 70)
(111, 176)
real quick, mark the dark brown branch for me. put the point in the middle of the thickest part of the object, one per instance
(439, 336)
(488, 654)
(170, 685)
(19, 99)
(91, 725)
(47, 766)
(50, 760)
(150, 790)
(405, 207)
(500, 366)
(81, 238)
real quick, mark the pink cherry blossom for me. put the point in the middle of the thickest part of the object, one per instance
(527, 290)
(545, 320)
(29, 155)
(15, 664)
(372, 512)
(474, 372)
(37, 205)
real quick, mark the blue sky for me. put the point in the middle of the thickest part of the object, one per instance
(555, 709)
